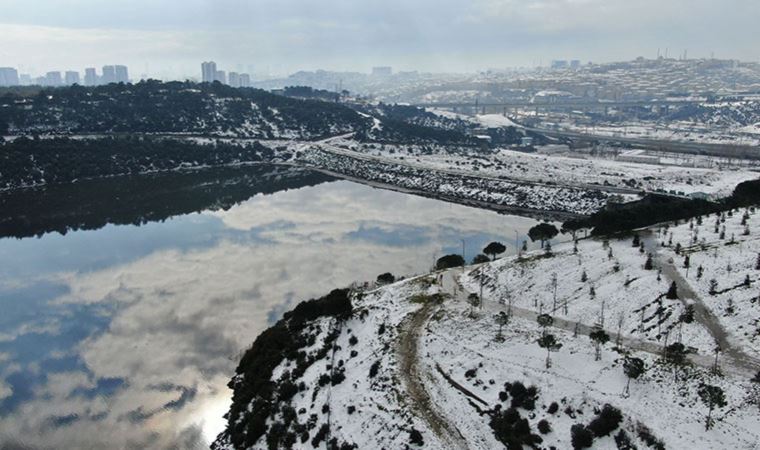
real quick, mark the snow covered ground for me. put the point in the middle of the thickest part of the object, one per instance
(565, 168)
(424, 368)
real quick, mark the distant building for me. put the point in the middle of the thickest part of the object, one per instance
(559, 64)
(90, 77)
(8, 76)
(245, 80)
(221, 76)
(638, 156)
(25, 79)
(526, 141)
(382, 71)
(121, 74)
(233, 79)
(109, 75)
(53, 79)
(71, 77)
(575, 64)
(208, 71)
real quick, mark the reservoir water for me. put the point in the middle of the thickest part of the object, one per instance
(126, 303)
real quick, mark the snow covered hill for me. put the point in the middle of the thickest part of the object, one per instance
(610, 355)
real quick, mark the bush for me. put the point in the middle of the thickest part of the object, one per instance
(544, 427)
(553, 408)
(449, 261)
(415, 437)
(623, 442)
(353, 340)
(606, 422)
(581, 437)
(374, 368)
(512, 430)
(386, 278)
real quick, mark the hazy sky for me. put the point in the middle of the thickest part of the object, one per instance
(172, 37)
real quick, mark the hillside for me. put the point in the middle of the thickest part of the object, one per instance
(418, 363)
(175, 107)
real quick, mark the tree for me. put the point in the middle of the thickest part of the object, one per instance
(712, 396)
(544, 320)
(649, 265)
(551, 344)
(572, 227)
(636, 241)
(542, 232)
(584, 277)
(633, 369)
(672, 293)
(599, 337)
(449, 261)
(494, 248)
(686, 262)
(713, 287)
(501, 320)
(386, 278)
(581, 437)
(474, 302)
(480, 259)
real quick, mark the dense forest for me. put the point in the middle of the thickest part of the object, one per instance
(30, 162)
(655, 208)
(174, 107)
(140, 199)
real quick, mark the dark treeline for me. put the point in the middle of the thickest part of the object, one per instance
(655, 208)
(173, 107)
(28, 162)
(141, 199)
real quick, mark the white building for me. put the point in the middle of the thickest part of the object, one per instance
(71, 77)
(208, 71)
(8, 76)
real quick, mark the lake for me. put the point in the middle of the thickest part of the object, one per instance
(127, 302)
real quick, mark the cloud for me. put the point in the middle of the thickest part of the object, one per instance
(445, 35)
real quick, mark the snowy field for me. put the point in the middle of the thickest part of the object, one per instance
(423, 367)
(564, 169)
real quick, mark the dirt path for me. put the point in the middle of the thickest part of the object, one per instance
(414, 377)
(741, 366)
(702, 313)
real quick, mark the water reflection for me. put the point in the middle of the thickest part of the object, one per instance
(126, 336)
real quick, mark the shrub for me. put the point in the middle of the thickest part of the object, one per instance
(374, 368)
(553, 408)
(581, 437)
(606, 422)
(544, 427)
(623, 442)
(449, 261)
(386, 278)
(353, 340)
(415, 437)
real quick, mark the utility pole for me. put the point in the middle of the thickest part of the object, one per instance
(464, 261)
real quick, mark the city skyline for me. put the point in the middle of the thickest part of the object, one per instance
(167, 40)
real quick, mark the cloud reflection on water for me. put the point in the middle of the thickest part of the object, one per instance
(138, 350)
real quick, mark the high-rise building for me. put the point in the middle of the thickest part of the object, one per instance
(559, 64)
(233, 79)
(575, 64)
(25, 79)
(71, 77)
(382, 71)
(245, 80)
(109, 75)
(121, 74)
(208, 71)
(221, 76)
(53, 78)
(90, 77)
(8, 76)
